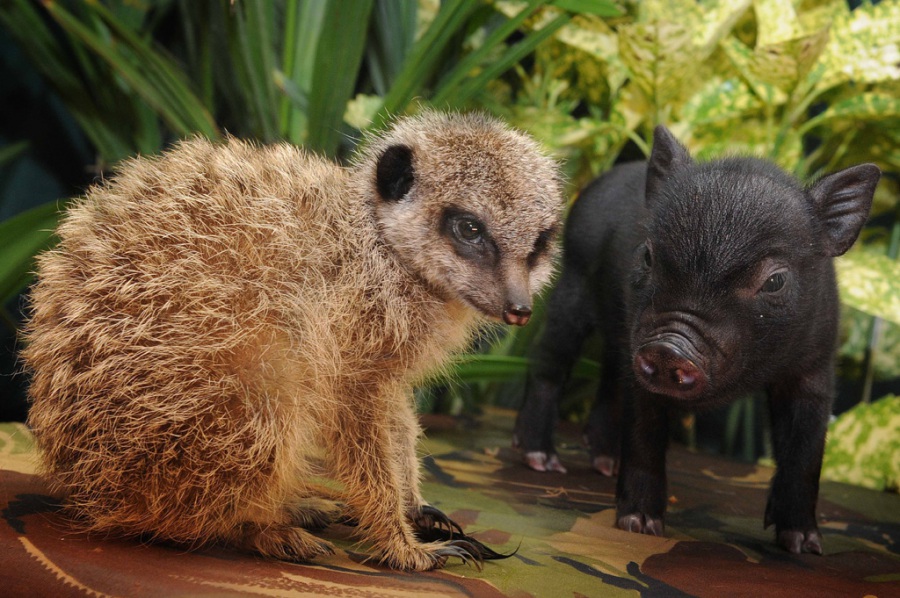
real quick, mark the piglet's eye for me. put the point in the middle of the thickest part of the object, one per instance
(774, 283)
(647, 258)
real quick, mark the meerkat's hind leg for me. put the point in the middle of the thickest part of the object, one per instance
(282, 542)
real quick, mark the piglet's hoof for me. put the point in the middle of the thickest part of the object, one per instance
(641, 524)
(606, 465)
(797, 542)
(541, 461)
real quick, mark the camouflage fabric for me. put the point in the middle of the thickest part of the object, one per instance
(560, 527)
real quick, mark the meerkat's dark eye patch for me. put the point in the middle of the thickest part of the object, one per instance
(540, 245)
(470, 236)
(394, 173)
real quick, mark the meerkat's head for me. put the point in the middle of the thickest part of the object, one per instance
(470, 206)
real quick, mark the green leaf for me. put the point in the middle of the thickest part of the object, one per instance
(339, 54)
(499, 368)
(870, 282)
(392, 36)
(151, 75)
(600, 8)
(449, 85)
(424, 56)
(511, 56)
(303, 24)
(12, 151)
(21, 237)
(253, 56)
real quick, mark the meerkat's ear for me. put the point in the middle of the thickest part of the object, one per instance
(394, 174)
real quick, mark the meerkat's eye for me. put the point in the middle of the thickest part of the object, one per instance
(469, 230)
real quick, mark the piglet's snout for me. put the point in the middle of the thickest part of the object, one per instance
(664, 368)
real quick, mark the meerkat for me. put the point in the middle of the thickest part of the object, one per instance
(223, 325)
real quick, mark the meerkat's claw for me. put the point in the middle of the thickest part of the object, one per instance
(427, 517)
(465, 551)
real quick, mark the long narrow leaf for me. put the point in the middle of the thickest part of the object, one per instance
(424, 55)
(155, 78)
(303, 24)
(338, 58)
(462, 69)
(512, 55)
(253, 51)
(501, 368)
(393, 34)
(21, 237)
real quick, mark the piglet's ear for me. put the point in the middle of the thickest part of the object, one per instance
(842, 201)
(394, 173)
(667, 156)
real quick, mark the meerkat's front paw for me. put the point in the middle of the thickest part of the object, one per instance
(426, 517)
(425, 557)
(283, 542)
(315, 513)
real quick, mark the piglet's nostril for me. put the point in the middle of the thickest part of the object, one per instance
(685, 377)
(516, 314)
(646, 366)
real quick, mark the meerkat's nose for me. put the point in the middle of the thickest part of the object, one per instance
(515, 314)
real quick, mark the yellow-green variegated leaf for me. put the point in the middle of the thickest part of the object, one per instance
(748, 136)
(661, 58)
(594, 36)
(708, 21)
(718, 20)
(863, 446)
(776, 22)
(821, 15)
(785, 63)
(745, 62)
(864, 46)
(870, 282)
(361, 111)
(865, 106)
(720, 100)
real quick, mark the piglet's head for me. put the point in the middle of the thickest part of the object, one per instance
(734, 276)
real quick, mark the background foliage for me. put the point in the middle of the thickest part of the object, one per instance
(810, 84)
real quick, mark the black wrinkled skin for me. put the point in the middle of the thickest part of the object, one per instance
(676, 254)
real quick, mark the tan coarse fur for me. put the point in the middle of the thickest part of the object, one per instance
(219, 321)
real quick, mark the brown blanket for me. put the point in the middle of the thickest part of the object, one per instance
(561, 525)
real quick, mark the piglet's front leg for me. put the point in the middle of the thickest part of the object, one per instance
(799, 411)
(641, 488)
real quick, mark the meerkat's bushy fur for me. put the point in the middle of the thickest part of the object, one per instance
(216, 319)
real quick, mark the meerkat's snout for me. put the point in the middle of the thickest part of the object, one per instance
(516, 314)
(517, 307)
